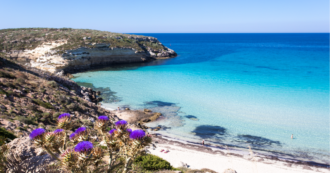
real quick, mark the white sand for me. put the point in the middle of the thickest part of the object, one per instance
(219, 163)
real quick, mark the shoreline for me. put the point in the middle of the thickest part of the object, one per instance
(222, 152)
(189, 153)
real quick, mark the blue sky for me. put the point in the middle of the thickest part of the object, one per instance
(170, 16)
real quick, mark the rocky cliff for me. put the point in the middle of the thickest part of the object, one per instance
(67, 50)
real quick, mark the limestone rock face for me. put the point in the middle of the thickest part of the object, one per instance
(23, 156)
(42, 50)
(45, 57)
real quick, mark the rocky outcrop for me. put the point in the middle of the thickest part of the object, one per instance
(23, 156)
(46, 57)
(90, 95)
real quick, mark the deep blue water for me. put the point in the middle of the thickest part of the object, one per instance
(244, 89)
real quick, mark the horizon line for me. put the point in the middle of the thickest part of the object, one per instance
(226, 32)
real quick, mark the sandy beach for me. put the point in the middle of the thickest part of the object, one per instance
(198, 157)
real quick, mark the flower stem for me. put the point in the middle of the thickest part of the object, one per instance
(64, 143)
(52, 154)
(126, 164)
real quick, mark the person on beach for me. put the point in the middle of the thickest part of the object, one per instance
(292, 136)
(118, 109)
(203, 142)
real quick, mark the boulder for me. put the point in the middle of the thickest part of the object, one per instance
(23, 157)
(147, 110)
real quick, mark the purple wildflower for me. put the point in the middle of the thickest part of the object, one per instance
(58, 131)
(37, 132)
(137, 134)
(80, 130)
(64, 115)
(129, 131)
(121, 123)
(112, 131)
(72, 136)
(84, 146)
(103, 118)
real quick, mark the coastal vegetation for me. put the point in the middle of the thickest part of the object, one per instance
(30, 38)
(79, 152)
(33, 100)
(152, 162)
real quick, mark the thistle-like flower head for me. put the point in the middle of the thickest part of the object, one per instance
(58, 131)
(37, 133)
(65, 115)
(101, 122)
(64, 121)
(129, 131)
(72, 136)
(80, 130)
(112, 131)
(81, 134)
(121, 124)
(103, 118)
(83, 146)
(137, 134)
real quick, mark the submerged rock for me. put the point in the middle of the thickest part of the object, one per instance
(158, 103)
(257, 141)
(191, 117)
(210, 131)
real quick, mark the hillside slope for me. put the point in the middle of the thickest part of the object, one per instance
(30, 98)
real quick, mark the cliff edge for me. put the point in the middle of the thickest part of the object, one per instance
(69, 50)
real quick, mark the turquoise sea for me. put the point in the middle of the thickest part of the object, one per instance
(234, 89)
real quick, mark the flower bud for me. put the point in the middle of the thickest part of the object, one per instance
(101, 122)
(64, 121)
(38, 135)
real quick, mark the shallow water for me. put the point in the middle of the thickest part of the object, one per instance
(241, 89)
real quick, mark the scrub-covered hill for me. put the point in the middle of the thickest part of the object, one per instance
(66, 49)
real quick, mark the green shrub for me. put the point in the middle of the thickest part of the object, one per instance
(9, 93)
(43, 104)
(21, 81)
(27, 90)
(56, 114)
(3, 91)
(6, 75)
(25, 120)
(46, 114)
(10, 85)
(4, 134)
(32, 107)
(52, 84)
(152, 162)
(73, 106)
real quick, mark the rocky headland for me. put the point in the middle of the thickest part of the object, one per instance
(69, 50)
